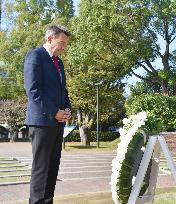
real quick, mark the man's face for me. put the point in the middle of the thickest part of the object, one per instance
(58, 43)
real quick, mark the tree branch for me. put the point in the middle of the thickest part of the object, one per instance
(153, 36)
(157, 49)
(144, 79)
(150, 66)
(143, 66)
(172, 39)
(138, 76)
(165, 57)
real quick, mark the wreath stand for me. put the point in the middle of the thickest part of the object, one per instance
(155, 144)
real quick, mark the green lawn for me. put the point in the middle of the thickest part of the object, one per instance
(165, 196)
(16, 165)
(6, 164)
(15, 179)
(103, 146)
(169, 197)
(105, 198)
(15, 172)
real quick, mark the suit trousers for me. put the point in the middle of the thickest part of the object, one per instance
(46, 150)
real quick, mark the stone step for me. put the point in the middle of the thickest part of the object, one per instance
(16, 175)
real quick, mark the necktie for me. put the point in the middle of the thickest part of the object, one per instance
(56, 62)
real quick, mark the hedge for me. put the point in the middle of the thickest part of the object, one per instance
(74, 136)
(161, 110)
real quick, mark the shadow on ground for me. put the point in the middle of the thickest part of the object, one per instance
(83, 147)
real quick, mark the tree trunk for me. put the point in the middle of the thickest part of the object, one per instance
(13, 136)
(85, 135)
(165, 88)
(174, 90)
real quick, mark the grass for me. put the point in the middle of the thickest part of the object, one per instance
(89, 198)
(15, 172)
(18, 169)
(105, 198)
(103, 146)
(11, 165)
(14, 179)
(165, 196)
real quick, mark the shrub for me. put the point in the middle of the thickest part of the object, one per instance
(161, 110)
(103, 136)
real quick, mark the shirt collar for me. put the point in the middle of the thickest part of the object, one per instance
(47, 49)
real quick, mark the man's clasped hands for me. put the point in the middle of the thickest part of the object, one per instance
(63, 115)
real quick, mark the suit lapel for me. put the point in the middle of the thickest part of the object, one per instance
(47, 56)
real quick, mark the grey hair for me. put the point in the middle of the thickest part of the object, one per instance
(55, 30)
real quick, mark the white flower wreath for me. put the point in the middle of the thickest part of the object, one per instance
(130, 128)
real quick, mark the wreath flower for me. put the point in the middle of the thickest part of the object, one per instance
(124, 164)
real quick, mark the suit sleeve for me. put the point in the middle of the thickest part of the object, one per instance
(33, 81)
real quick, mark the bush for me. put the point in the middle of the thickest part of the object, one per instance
(161, 110)
(74, 136)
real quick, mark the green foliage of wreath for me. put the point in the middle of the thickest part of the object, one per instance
(130, 167)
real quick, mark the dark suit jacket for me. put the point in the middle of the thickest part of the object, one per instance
(46, 94)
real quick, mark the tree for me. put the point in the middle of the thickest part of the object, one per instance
(83, 97)
(12, 112)
(62, 12)
(133, 34)
(30, 19)
(65, 9)
(24, 35)
(143, 87)
(87, 68)
(30, 22)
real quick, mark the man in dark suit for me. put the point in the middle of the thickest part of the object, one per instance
(47, 111)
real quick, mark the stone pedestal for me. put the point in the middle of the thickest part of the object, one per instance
(170, 138)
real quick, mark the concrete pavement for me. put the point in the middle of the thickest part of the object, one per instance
(80, 172)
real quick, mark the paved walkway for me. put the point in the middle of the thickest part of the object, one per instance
(80, 172)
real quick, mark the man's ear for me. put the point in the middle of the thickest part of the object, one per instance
(50, 39)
